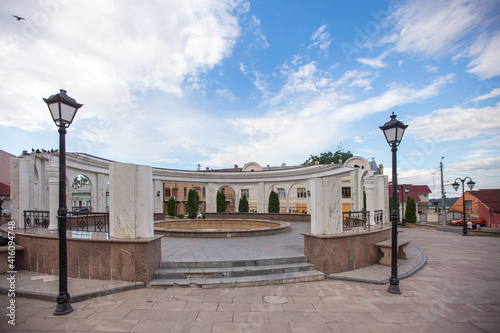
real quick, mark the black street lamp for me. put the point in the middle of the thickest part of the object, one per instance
(455, 185)
(63, 110)
(406, 190)
(393, 131)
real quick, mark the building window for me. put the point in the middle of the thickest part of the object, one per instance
(281, 192)
(185, 191)
(245, 192)
(301, 192)
(167, 192)
(468, 204)
(346, 192)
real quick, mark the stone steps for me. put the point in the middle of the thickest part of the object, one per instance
(214, 274)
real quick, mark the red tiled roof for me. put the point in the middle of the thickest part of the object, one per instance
(415, 190)
(490, 198)
(4, 190)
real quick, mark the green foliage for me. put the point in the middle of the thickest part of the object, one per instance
(171, 206)
(221, 202)
(411, 210)
(274, 203)
(193, 203)
(243, 206)
(328, 158)
(181, 216)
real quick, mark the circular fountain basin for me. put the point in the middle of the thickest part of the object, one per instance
(216, 228)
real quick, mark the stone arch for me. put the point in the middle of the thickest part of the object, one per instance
(230, 194)
(252, 166)
(80, 193)
(282, 190)
(297, 198)
(252, 196)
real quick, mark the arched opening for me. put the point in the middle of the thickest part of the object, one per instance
(251, 193)
(297, 199)
(229, 202)
(282, 196)
(179, 192)
(81, 194)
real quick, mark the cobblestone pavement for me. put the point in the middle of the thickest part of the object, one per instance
(458, 290)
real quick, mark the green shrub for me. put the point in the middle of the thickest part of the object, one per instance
(193, 203)
(181, 216)
(171, 206)
(243, 206)
(274, 203)
(221, 202)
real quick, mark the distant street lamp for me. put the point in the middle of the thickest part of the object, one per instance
(63, 110)
(470, 184)
(406, 190)
(393, 131)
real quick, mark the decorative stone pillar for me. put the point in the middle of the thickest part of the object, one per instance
(370, 198)
(131, 202)
(261, 198)
(211, 197)
(315, 205)
(355, 190)
(325, 205)
(53, 176)
(102, 185)
(158, 202)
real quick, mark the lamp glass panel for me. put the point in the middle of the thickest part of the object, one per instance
(455, 186)
(399, 134)
(390, 134)
(471, 184)
(54, 111)
(67, 113)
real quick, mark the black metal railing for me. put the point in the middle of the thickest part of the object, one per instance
(36, 219)
(355, 219)
(378, 216)
(88, 221)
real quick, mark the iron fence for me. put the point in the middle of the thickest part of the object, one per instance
(355, 219)
(88, 221)
(36, 219)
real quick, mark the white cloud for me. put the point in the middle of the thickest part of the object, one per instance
(112, 55)
(457, 123)
(494, 93)
(226, 94)
(374, 62)
(320, 38)
(486, 54)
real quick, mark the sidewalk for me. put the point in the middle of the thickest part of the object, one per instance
(457, 290)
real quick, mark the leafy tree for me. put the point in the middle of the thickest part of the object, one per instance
(411, 210)
(328, 158)
(171, 206)
(274, 203)
(243, 206)
(193, 203)
(221, 202)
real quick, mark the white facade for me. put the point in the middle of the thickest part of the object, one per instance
(135, 192)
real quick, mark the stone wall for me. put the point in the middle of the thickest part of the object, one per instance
(123, 260)
(345, 252)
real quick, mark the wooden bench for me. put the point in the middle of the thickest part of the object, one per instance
(386, 247)
(4, 256)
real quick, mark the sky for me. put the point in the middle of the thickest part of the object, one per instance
(177, 84)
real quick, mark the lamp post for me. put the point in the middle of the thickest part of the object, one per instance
(406, 190)
(63, 110)
(455, 185)
(393, 131)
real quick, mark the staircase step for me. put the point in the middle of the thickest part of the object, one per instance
(224, 272)
(233, 263)
(244, 281)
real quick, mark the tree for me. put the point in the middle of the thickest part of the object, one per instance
(221, 202)
(411, 210)
(328, 158)
(171, 206)
(243, 206)
(274, 203)
(193, 203)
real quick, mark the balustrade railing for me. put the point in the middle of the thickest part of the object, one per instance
(81, 221)
(379, 216)
(355, 219)
(36, 219)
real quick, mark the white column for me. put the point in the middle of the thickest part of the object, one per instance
(261, 198)
(158, 187)
(53, 176)
(100, 195)
(15, 202)
(355, 190)
(370, 198)
(131, 202)
(332, 212)
(211, 198)
(315, 205)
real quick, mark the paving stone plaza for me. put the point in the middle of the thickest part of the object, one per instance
(457, 290)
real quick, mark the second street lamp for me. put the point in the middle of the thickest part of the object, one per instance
(393, 131)
(455, 185)
(63, 110)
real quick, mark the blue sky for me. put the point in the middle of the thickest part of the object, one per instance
(175, 84)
